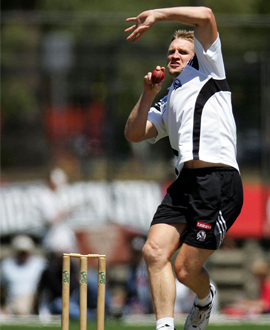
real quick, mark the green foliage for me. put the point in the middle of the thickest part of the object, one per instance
(19, 43)
(103, 56)
(120, 6)
(239, 6)
(17, 38)
(100, 6)
(17, 98)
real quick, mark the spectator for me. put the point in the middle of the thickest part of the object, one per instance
(49, 294)
(261, 272)
(55, 214)
(20, 276)
(250, 307)
(50, 207)
(138, 289)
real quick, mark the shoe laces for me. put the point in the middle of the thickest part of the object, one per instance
(198, 315)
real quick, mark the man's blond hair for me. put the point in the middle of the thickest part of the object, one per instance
(183, 34)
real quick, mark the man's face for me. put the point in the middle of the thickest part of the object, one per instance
(179, 53)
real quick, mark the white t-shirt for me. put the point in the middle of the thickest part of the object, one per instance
(50, 206)
(197, 112)
(22, 280)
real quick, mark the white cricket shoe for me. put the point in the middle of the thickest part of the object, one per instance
(198, 318)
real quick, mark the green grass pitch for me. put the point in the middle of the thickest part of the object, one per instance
(121, 326)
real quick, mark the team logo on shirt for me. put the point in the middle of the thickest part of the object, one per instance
(201, 236)
(176, 84)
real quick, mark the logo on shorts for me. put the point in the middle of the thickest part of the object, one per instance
(201, 235)
(204, 225)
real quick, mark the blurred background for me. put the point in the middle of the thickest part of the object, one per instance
(71, 182)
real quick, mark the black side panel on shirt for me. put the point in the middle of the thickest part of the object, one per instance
(209, 89)
(161, 102)
(194, 62)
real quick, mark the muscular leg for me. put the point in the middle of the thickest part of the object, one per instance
(190, 271)
(163, 240)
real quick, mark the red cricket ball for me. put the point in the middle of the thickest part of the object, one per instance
(158, 76)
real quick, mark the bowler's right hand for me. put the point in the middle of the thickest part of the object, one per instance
(149, 87)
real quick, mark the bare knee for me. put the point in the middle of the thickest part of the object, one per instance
(183, 274)
(187, 274)
(154, 254)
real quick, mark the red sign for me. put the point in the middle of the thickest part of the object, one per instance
(266, 229)
(250, 222)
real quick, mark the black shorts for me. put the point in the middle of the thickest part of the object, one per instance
(208, 200)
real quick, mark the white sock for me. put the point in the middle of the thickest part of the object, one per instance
(167, 323)
(205, 301)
